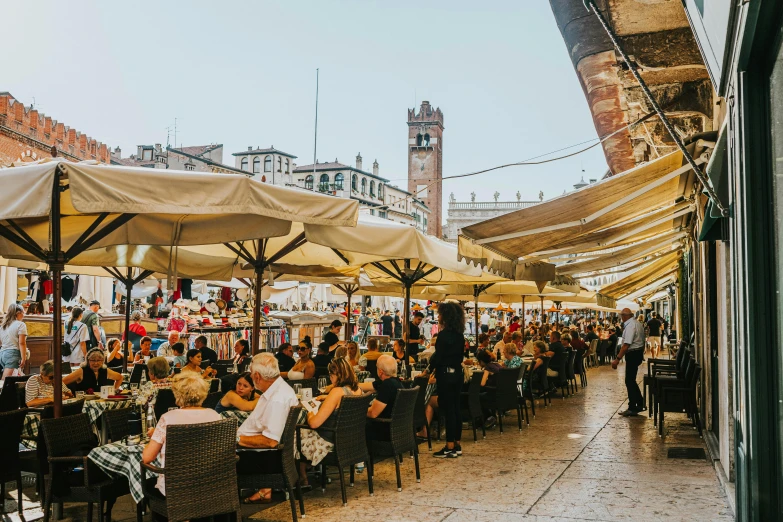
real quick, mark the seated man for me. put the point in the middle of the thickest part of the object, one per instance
(165, 349)
(372, 354)
(556, 352)
(322, 358)
(207, 353)
(265, 425)
(386, 387)
(285, 357)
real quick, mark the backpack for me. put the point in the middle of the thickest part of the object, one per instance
(92, 342)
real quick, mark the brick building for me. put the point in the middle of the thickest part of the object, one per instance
(425, 161)
(28, 135)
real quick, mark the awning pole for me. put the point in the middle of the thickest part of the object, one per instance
(126, 338)
(348, 330)
(476, 291)
(256, 334)
(56, 266)
(590, 5)
(542, 310)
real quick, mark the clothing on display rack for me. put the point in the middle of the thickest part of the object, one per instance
(185, 288)
(67, 287)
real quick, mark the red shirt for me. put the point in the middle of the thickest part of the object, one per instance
(514, 327)
(137, 329)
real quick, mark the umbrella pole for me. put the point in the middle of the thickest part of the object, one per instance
(125, 350)
(256, 334)
(523, 311)
(542, 310)
(476, 290)
(57, 338)
(348, 314)
(405, 328)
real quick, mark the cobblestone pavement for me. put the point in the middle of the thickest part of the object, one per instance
(578, 460)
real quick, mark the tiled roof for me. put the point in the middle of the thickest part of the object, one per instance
(270, 150)
(197, 150)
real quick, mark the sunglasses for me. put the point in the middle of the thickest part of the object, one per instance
(303, 349)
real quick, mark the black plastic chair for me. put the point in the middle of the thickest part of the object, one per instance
(73, 477)
(570, 371)
(191, 477)
(402, 437)
(420, 410)
(135, 376)
(524, 391)
(471, 405)
(372, 367)
(579, 366)
(288, 480)
(350, 447)
(657, 367)
(543, 380)
(10, 438)
(561, 381)
(505, 396)
(321, 371)
(679, 397)
(679, 379)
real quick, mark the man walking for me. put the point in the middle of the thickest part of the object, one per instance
(633, 350)
(654, 327)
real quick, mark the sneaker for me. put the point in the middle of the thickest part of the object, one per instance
(445, 453)
(490, 422)
(458, 449)
(629, 413)
(360, 467)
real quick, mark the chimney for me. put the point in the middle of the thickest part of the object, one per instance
(250, 148)
(158, 148)
(33, 119)
(138, 151)
(593, 180)
(359, 161)
(375, 167)
(116, 153)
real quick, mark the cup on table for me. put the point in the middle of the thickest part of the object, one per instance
(322, 384)
(80, 394)
(298, 390)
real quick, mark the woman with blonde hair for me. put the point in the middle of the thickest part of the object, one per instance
(13, 339)
(190, 391)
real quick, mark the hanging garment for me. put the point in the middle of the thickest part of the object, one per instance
(67, 288)
(48, 287)
(185, 286)
(75, 289)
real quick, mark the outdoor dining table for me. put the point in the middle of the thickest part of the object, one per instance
(94, 408)
(120, 459)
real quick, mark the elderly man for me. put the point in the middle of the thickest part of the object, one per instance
(164, 350)
(264, 427)
(633, 350)
(386, 386)
(501, 344)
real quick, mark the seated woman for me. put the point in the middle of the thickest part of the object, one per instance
(93, 373)
(39, 391)
(158, 369)
(114, 353)
(241, 354)
(317, 443)
(194, 365)
(399, 352)
(304, 367)
(145, 352)
(510, 357)
(178, 349)
(353, 354)
(190, 391)
(490, 367)
(243, 397)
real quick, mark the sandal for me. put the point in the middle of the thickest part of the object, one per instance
(260, 500)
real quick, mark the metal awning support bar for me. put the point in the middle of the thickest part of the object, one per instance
(705, 181)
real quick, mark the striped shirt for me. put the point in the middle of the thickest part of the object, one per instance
(35, 388)
(633, 334)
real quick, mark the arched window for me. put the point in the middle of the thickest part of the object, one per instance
(338, 181)
(426, 140)
(380, 191)
(268, 164)
(353, 183)
(279, 164)
(243, 164)
(309, 182)
(287, 166)
(418, 140)
(323, 183)
(256, 165)
(372, 189)
(364, 186)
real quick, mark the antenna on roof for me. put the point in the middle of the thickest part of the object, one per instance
(315, 141)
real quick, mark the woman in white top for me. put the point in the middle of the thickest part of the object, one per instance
(76, 335)
(189, 390)
(13, 339)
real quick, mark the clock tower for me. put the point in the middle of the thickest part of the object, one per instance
(425, 161)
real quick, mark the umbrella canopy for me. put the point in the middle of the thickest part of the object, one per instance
(56, 210)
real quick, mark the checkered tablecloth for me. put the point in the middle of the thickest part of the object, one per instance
(240, 416)
(117, 459)
(93, 409)
(361, 375)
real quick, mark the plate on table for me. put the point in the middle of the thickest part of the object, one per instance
(91, 396)
(116, 398)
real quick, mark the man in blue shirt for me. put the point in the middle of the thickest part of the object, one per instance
(633, 350)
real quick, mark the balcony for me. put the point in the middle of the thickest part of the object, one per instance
(491, 205)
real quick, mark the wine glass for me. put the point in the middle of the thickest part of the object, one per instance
(322, 384)
(134, 388)
(298, 390)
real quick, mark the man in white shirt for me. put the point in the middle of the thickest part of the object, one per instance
(164, 350)
(498, 348)
(485, 321)
(264, 427)
(633, 350)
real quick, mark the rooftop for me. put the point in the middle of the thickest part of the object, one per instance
(270, 150)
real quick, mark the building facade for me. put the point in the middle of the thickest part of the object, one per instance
(461, 214)
(27, 135)
(268, 165)
(425, 162)
(197, 158)
(369, 188)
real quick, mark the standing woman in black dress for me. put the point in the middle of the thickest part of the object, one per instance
(447, 362)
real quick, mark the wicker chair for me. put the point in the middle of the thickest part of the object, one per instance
(10, 437)
(505, 397)
(420, 410)
(117, 423)
(288, 480)
(72, 476)
(306, 383)
(677, 397)
(191, 476)
(349, 448)
(402, 439)
(471, 405)
(524, 391)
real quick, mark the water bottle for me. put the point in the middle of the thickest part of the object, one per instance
(150, 417)
(134, 422)
(236, 370)
(143, 378)
(403, 371)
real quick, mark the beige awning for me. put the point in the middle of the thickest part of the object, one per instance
(661, 268)
(612, 202)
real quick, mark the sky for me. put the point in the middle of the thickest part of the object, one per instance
(243, 73)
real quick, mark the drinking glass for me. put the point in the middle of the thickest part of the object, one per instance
(80, 394)
(322, 384)
(134, 388)
(298, 390)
